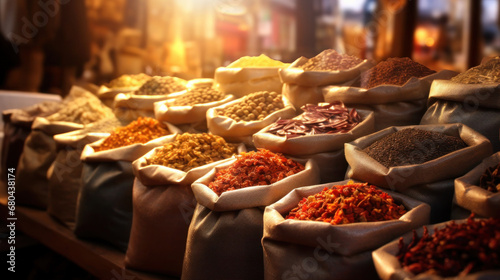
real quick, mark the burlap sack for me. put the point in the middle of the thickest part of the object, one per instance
(104, 207)
(388, 266)
(242, 81)
(107, 95)
(233, 131)
(477, 106)
(392, 105)
(430, 182)
(472, 198)
(318, 250)
(39, 152)
(306, 87)
(162, 194)
(224, 236)
(129, 106)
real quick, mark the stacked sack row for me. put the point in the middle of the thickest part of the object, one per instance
(309, 170)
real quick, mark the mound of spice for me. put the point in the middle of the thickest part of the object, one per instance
(188, 151)
(256, 61)
(413, 146)
(331, 60)
(254, 168)
(324, 118)
(394, 71)
(134, 80)
(346, 204)
(139, 131)
(253, 107)
(490, 180)
(162, 85)
(487, 73)
(455, 250)
(198, 95)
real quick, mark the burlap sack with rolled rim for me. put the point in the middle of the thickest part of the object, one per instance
(39, 152)
(104, 207)
(388, 266)
(336, 251)
(243, 81)
(107, 95)
(392, 105)
(477, 106)
(233, 131)
(430, 182)
(471, 197)
(306, 87)
(224, 236)
(129, 106)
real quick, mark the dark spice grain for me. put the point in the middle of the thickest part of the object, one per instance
(490, 180)
(412, 146)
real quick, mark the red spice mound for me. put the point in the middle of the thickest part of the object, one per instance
(455, 250)
(347, 204)
(254, 169)
(394, 71)
(140, 131)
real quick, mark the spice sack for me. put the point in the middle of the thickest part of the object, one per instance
(296, 249)
(419, 161)
(224, 236)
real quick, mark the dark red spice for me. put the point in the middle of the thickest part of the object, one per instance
(254, 168)
(455, 250)
(345, 204)
(394, 71)
(490, 180)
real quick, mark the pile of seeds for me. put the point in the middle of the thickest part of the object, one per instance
(256, 61)
(455, 250)
(413, 146)
(331, 60)
(124, 81)
(324, 118)
(394, 71)
(140, 131)
(198, 95)
(258, 168)
(346, 204)
(490, 180)
(188, 151)
(162, 85)
(254, 107)
(486, 73)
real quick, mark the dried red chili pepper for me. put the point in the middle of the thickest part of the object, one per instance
(455, 250)
(254, 168)
(345, 204)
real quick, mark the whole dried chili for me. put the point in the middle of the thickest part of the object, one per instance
(141, 131)
(345, 204)
(324, 118)
(455, 250)
(254, 168)
(490, 180)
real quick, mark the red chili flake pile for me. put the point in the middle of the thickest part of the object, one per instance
(455, 250)
(345, 204)
(490, 180)
(140, 131)
(324, 118)
(394, 71)
(331, 60)
(254, 168)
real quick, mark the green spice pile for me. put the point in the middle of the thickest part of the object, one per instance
(487, 73)
(456, 250)
(324, 118)
(140, 131)
(394, 71)
(346, 204)
(253, 107)
(413, 146)
(134, 80)
(258, 168)
(490, 180)
(188, 151)
(162, 85)
(198, 95)
(330, 60)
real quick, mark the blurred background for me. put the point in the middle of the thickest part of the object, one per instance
(49, 45)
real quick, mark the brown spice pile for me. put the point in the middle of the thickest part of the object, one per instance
(331, 60)
(394, 71)
(481, 74)
(490, 180)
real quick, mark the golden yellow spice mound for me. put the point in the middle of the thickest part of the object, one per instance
(254, 107)
(257, 61)
(188, 151)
